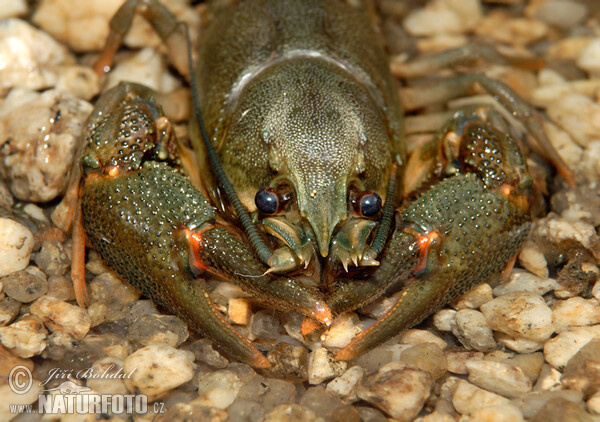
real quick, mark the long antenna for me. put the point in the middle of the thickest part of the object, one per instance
(262, 249)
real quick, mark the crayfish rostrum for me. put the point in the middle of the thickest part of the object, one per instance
(303, 176)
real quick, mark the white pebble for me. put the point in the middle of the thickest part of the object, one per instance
(593, 404)
(40, 155)
(30, 58)
(467, 398)
(416, 336)
(578, 115)
(474, 298)
(342, 331)
(345, 385)
(497, 413)
(472, 330)
(26, 337)
(218, 389)
(400, 393)
(16, 246)
(147, 68)
(456, 360)
(443, 319)
(61, 316)
(498, 377)
(560, 349)
(158, 368)
(589, 59)
(524, 281)
(561, 13)
(322, 367)
(575, 312)
(518, 344)
(12, 8)
(532, 258)
(523, 315)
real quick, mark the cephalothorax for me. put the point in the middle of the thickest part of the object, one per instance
(305, 154)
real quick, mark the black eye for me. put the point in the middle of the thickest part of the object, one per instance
(267, 200)
(370, 204)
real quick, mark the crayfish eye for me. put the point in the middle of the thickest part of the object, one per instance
(369, 204)
(267, 200)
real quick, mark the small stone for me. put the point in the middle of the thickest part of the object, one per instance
(239, 310)
(529, 363)
(192, 411)
(97, 313)
(531, 403)
(443, 319)
(561, 13)
(549, 379)
(149, 329)
(39, 156)
(277, 392)
(369, 414)
(9, 309)
(523, 315)
(343, 330)
(265, 325)
(474, 298)
(593, 404)
(23, 286)
(468, 398)
(218, 389)
(321, 401)
(427, 357)
(498, 377)
(582, 373)
(518, 344)
(322, 367)
(472, 330)
(510, 30)
(580, 117)
(292, 413)
(456, 360)
(288, 359)
(79, 81)
(13, 8)
(60, 316)
(452, 17)
(53, 258)
(27, 337)
(560, 349)
(399, 393)
(415, 336)
(10, 398)
(242, 410)
(524, 281)
(108, 289)
(157, 369)
(33, 59)
(497, 413)
(61, 288)
(575, 312)
(110, 381)
(146, 67)
(589, 59)
(533, 259)
(345, 385)
(15, 248)
(204, 351)
(560, 410)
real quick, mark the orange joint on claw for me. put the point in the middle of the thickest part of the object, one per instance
(112, 171)
(424, 242)
(308, 326)
(195, 242)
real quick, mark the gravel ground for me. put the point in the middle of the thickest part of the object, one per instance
(525, 349)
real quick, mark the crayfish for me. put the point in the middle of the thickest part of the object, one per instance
(299, 143)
